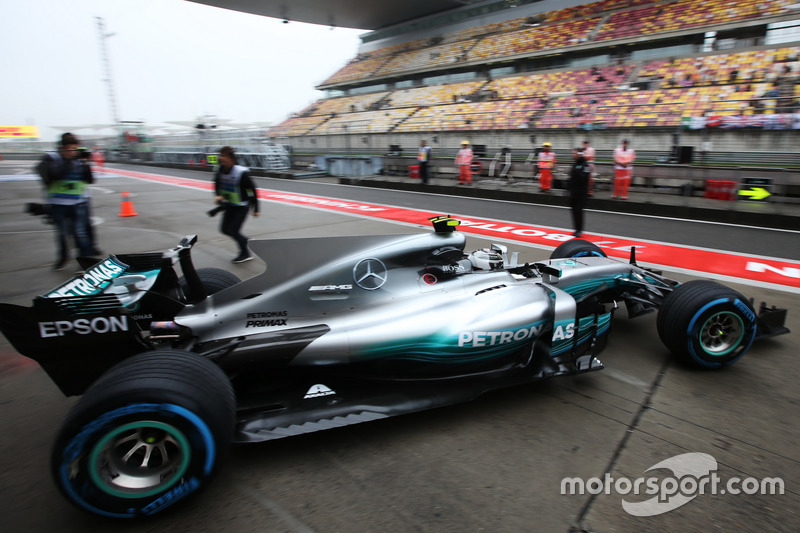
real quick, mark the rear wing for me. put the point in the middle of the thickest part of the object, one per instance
(74, 338)
(84, 326)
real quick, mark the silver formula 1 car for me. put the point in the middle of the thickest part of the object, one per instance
(336, 331)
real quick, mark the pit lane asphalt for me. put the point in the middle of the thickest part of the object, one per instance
(495, 464)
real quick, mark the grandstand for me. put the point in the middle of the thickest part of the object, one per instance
(705, 73)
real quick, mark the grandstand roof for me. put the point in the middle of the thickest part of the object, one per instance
(359, 14)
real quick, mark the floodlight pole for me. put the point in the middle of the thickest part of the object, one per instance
(101, 29)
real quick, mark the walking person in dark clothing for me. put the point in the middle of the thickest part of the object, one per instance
(236, 192)
(578, 189)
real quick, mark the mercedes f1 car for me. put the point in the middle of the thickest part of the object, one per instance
(335, 331)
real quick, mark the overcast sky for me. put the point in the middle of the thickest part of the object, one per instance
(171, 60)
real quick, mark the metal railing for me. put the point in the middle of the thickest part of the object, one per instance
(270, 158)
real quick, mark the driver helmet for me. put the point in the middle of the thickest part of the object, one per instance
(486, 259)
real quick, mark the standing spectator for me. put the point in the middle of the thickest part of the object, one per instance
(423, 156)
(757, 105)
(464, 162)
(578, 188)
(66, 174)
(589, 154)
(784, 85)
(772, 93)
(623, 170)
(547, 162)
(235, 190)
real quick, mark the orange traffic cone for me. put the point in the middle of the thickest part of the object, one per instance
(127, 210)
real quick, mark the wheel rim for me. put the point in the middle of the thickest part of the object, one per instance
(722, 333)
(139, 459)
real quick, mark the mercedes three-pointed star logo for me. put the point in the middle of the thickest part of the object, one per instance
(370, 274)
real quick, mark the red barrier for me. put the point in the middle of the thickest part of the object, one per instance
(720, 190)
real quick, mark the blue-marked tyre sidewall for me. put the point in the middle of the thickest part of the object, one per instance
(706, 324)
(92, 470)
(146, 435)
(720, 333)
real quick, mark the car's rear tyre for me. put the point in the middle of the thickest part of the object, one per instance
(148, 433)
(213, 279)
(577, 248)
(705, 324)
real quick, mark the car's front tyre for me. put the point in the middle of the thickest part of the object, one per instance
(577, 248)
(707, 325)
(148, 433)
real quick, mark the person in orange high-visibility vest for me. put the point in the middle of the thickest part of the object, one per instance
(464, 160)
(547, 162)
(623, 170)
